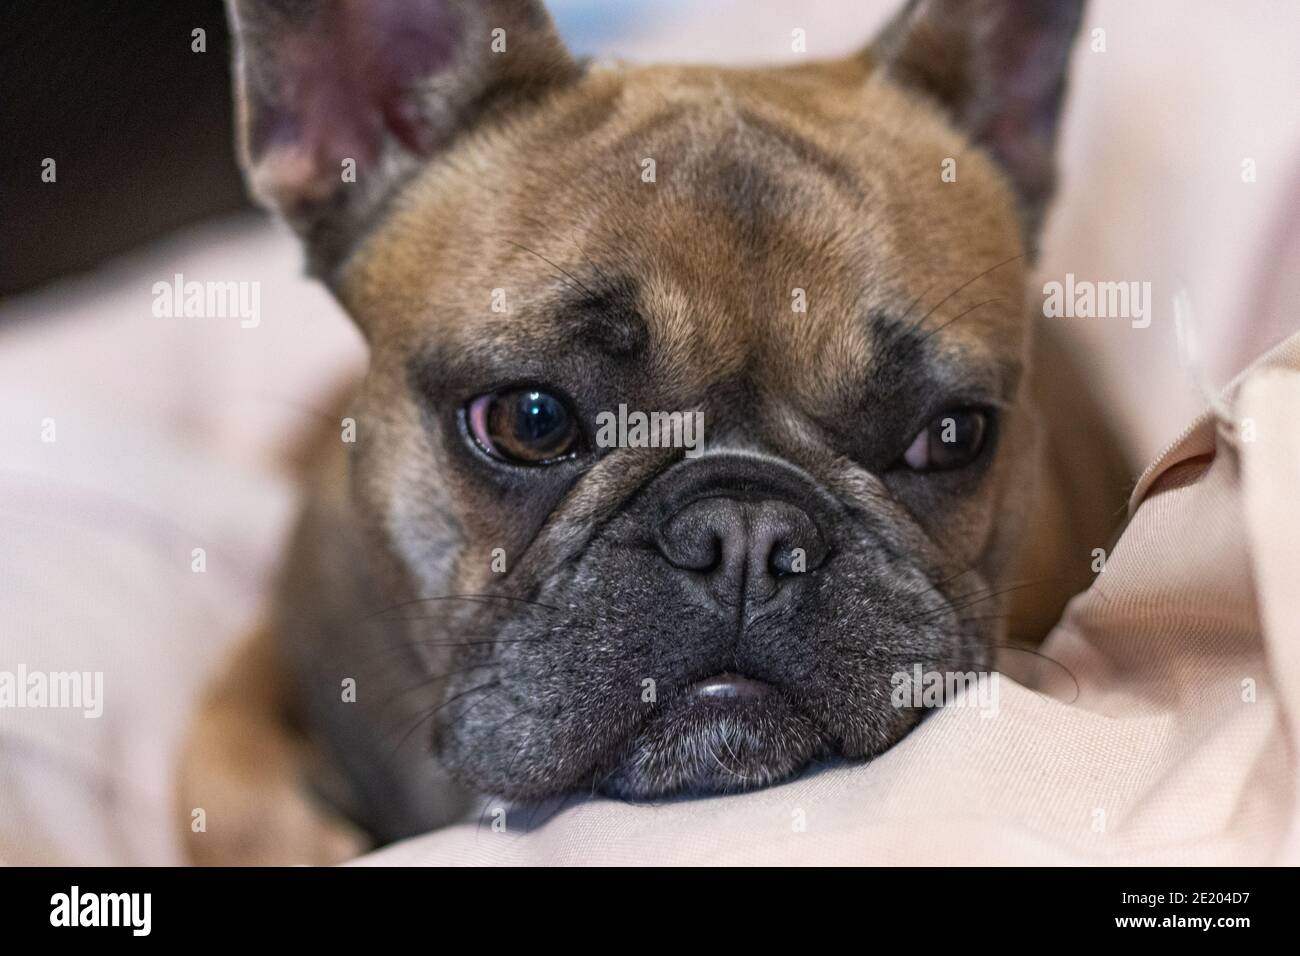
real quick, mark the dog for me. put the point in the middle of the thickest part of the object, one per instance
(825, 264)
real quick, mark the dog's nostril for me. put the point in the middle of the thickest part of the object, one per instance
(709, 558)
(785, 559)
(785, 540)
(691, 542)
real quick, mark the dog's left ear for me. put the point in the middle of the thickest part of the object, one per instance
(341, 100)
(998, 67)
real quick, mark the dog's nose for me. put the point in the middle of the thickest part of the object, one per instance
(742, 550)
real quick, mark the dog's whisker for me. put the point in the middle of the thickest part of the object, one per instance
(966, 284)
(395, 697)
(1020, 648)
(960, 602)
(574, 280)
(453, 597)
(432, 712)
(437, 642)
(547, 228)
(915, 302)
(466, 712)
(382, 654)
(989, 594)
(935, 587)
(901, 347)
(435, 678)
(364, 675)
(960, 315)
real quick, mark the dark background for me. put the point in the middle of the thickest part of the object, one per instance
(139, 125)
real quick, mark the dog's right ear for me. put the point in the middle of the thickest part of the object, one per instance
(341, 100)
(998, 68)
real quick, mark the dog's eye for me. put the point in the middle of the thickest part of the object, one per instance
(524, 426)
(952, 440)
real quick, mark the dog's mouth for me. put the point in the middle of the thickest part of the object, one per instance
(725, 733)
(729, 689)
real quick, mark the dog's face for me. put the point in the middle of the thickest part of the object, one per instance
(826, 262)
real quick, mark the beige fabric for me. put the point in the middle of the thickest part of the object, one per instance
(1178, 746)
(171, 435)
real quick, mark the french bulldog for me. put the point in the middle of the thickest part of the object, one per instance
(824, 264)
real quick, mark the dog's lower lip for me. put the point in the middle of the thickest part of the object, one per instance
(728, 686)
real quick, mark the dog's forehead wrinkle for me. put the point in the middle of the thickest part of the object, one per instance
(907, 361)
(604, 312)
(749, 450)
(807, 154)
(711, 280)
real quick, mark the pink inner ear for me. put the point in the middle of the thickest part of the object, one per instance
(347, 77)
(1025, 61)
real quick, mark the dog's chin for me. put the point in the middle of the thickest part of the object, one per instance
(702, 744)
